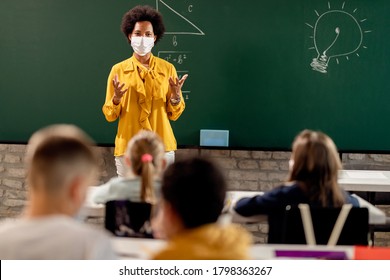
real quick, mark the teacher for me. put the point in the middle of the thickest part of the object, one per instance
(143, 91)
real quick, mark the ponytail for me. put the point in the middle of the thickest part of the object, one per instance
(147, 188)
(146, 153)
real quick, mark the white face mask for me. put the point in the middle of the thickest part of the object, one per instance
(142, 45)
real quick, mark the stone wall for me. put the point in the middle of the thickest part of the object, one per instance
(244, 170)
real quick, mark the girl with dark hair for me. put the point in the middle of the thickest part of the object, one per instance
(314, 167)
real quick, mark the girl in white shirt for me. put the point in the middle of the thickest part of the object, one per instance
(145, 161)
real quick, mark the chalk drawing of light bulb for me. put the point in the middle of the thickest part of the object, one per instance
(336, 33)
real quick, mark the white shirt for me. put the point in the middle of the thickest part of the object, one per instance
(53, 237)
(119, 188)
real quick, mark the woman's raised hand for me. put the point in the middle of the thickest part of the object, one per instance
(118, 90)
(176, 86)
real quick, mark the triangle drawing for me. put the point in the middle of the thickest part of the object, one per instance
(181, 24)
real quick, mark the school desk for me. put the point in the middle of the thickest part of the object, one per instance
(365, 180)
(370, 181)
(141, 248)
(90, 208)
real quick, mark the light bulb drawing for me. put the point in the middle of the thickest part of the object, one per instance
(336, 33)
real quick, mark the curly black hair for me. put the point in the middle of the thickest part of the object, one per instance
(143, 13)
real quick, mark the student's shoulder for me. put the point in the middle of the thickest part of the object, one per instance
(121, 181)
(286, 194)
(123, 186)
(170, 252)
(114, 181)
(96, 242)
(286, 188)
(87, 232)
(8, 226)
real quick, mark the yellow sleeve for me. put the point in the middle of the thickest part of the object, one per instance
(110, 110)
(174, 112)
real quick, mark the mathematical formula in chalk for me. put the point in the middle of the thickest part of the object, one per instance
(177, 58)
(180, 60)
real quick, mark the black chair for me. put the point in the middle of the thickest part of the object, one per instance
(286, 226)
(128, 219)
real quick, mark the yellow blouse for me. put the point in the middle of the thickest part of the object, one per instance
(146, 103)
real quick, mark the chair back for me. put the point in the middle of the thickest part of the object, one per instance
(286, 226)
(128, 219)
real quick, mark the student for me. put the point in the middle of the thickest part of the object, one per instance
(314, 167)
(193, 193)
(60, 166)
(145, 158)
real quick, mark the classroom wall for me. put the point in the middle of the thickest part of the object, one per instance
(244, 170)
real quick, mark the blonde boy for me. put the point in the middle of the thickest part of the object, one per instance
(60, 166)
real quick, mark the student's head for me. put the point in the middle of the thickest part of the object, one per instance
(145, 156)
(60, 165)
(193, 194)
(144, 15)
(315, 164)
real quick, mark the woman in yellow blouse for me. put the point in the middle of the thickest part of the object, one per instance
(143, 91)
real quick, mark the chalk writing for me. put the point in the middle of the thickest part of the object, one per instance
(336, 33)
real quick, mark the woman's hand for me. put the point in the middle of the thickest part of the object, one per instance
(118, 92)
(176, 86)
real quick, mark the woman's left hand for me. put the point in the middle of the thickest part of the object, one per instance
(176, 86)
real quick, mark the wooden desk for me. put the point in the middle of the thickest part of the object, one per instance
(140, 248)
(375, 215)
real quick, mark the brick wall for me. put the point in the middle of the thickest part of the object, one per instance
(13, 191)
(244, 170)
(13, 188)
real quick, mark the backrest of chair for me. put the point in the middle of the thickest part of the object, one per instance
(128, 219)
(285, 226)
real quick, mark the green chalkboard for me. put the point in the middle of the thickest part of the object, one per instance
(263, 70)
